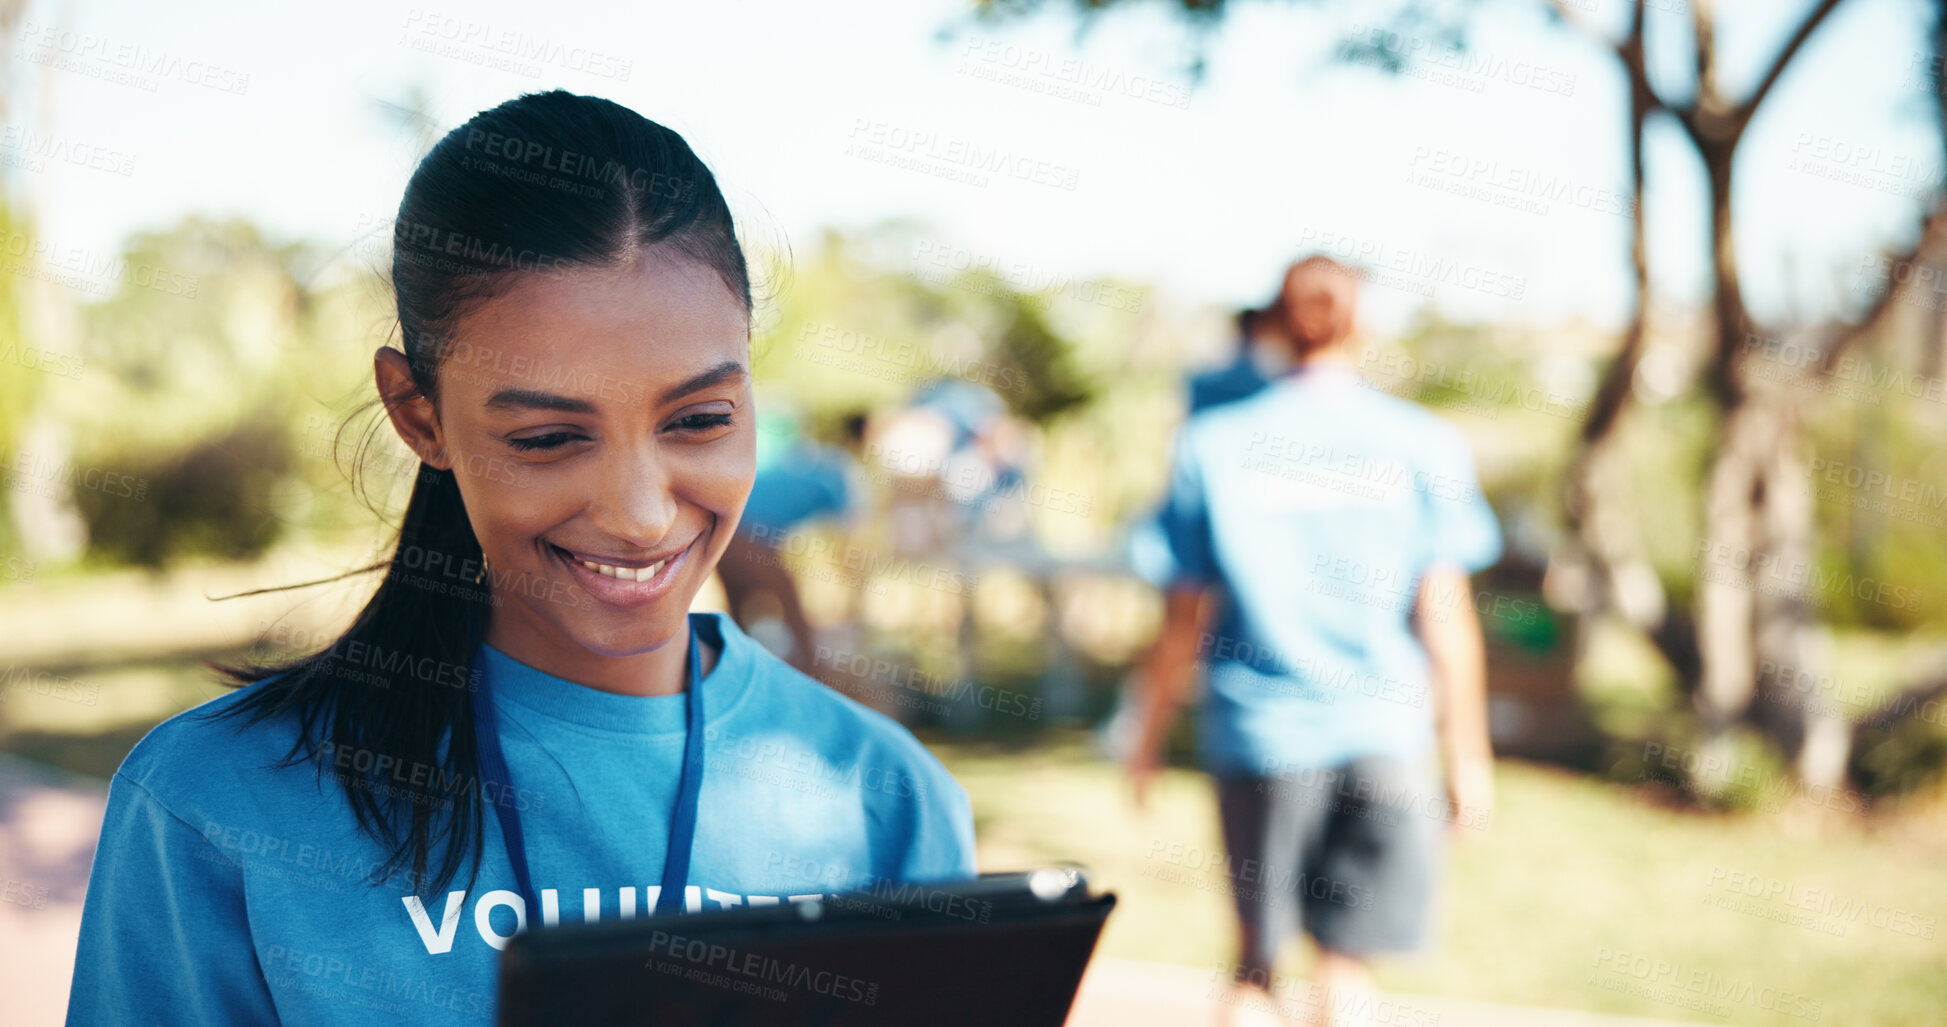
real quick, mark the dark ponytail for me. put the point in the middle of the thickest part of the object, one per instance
(542, 184)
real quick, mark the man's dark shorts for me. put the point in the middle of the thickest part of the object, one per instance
(1347, 852)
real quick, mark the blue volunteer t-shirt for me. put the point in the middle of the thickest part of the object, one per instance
(1317, 505)
(811, 481)
(226, 890)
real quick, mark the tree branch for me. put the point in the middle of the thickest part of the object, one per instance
(1614, 390)
(1805, 29)
(1628, 50)
(1703, 27)
(1932, 242)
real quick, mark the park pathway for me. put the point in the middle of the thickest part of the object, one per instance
(48, 823)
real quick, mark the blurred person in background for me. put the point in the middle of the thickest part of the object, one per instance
(957, 460)
(929, 451)
(985, 452)
(1260, 353)
(1321, 535)
(1260, 356)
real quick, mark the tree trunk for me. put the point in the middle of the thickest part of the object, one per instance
(1731, 566)
(1605, 569)
(1733, 562)
(1796, 707)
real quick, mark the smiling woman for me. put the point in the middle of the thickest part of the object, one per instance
(573, 375)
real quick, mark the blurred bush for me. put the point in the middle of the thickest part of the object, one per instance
(218, 498)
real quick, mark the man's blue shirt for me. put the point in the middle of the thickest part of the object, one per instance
(1316, 506)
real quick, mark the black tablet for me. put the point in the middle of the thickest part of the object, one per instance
(996, 949)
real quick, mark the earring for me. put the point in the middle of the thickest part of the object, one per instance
(481, 575)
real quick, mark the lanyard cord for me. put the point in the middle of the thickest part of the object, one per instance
(682, 822)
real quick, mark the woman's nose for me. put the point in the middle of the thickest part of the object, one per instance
(636, 505)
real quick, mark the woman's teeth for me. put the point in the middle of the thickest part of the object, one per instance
(624, 573)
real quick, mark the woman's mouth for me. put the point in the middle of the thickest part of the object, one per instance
(624, 573)
(624, 583)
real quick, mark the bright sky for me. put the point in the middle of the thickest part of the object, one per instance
(1206, 192)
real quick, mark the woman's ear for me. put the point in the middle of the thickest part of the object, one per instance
(411, 413)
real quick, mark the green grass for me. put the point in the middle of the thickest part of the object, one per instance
(87, 721)
(1571, 869)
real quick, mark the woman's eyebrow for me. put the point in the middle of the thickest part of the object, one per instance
(514, 399)
(534, 399)
(729, 370)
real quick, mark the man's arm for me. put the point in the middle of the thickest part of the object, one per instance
(1445, 621)
(1167, 673)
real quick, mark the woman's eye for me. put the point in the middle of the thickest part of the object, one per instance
(702, 422)
(554, 440)
(548, 441)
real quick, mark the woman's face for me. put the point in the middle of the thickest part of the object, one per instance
(600, 426)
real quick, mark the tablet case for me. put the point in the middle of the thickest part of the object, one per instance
(997, 949)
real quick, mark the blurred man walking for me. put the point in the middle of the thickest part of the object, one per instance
(1322, 533)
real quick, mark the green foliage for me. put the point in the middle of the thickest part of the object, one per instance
(1908, 753)
(218, 498)
(21, 385)
(1879, 481)
(866, 325)
(215, 374)
(1667, 449)
(1049, 383)
(1445, 22)
(217, 327)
